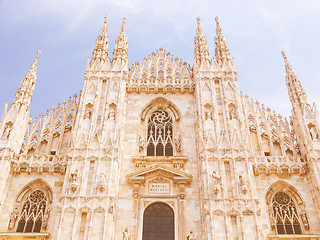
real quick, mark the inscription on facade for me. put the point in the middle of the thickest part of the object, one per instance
(159, 188)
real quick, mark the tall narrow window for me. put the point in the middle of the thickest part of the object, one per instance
(32, 213)
(285, 214)
(159, 141)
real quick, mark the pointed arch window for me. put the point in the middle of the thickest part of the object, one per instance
(32, 213)
(160, 135)
(285, 214)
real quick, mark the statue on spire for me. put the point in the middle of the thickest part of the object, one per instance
(100, 59)
(222, 52)
(201, 53)
(298, 96)
(120, 52)
(25, 91)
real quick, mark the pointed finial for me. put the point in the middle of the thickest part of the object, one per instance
(104, 27)
(284, 55)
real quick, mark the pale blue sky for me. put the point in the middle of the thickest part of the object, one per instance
(66, 30)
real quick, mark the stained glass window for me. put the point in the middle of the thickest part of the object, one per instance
(159, 140)
(285, 214)
(32, 213)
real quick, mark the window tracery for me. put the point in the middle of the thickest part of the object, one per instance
(160, 135)
(33, 212)
(285, 214)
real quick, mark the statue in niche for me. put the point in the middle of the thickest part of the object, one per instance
(232, 114)
(313, 133)
(46, 218)
(305, 221)
(191, 236)
(110, 123)
(87, 114)
(216, 177)
(208, 114)
(141, 143)
(6, 132)
(125, 234)
(13, 218)
(243, 183)
(73, 179)
(177, 143)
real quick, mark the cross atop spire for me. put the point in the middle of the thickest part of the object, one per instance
(201, 53)
(120, 52)
(296, 92)
(100, 52)
(25, 91)
(222, 52)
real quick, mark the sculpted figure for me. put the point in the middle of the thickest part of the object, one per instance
(125, 234)
(191, 236)
(141, 143)
(208, 114)
(216, 177)
(6, 132)
(177, 143)
(313, 133)
(87, 114)
(13, 218)
(232, 114)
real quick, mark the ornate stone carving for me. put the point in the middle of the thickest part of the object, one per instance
(46, 217)
(177, 143)
(141, 143)
(74, 180)
(101, 185)
(6, 132)
(125, 234)
(13, 218)
(216, 180)
(191, 236)
(305, 220)
(243, 183)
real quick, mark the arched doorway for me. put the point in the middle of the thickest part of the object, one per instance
(158, 222)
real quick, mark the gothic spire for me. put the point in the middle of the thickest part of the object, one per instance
(296, 92)
(120, 52)
(25, 91)
(100, 52)
(201, 53)
(222, 53)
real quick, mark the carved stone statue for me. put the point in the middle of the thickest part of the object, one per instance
(13, 218)
(232, 114)
(191, 236)
(141, 143)
(216, 177)
(111, 114)
(125, 234)
(208, 114)
(243, 183)
(177, 143)
(6, 132)
(305, 221)
(73, 179)
(101, 182)
(87, 114)
(313, 133)
(46, 218)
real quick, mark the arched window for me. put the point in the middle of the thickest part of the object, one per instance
(159, 140)
(32, 213)
(285, 214)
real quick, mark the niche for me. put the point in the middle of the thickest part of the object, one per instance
(88, 111)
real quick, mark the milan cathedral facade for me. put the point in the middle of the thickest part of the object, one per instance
(160, 150)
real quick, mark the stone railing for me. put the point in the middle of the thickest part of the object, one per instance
(39, 163)
(278, 165)
(160, 86)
